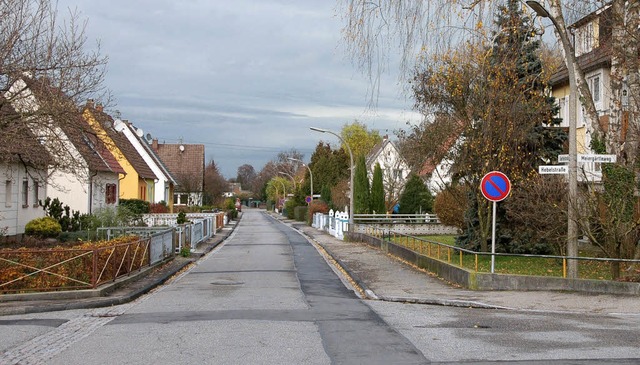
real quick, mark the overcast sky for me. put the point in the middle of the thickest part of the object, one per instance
(246, 78)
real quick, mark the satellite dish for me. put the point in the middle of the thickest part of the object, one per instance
(139, 132)
(118, 125)
(148, 137)
(181, 148)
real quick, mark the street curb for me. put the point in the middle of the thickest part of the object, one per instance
(371, 295)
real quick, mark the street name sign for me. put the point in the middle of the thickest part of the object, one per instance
(589, 158)
(553, 169)
(597, 158)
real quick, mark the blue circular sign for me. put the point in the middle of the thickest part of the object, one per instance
(495, 186)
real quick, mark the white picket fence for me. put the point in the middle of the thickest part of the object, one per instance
(335, 223)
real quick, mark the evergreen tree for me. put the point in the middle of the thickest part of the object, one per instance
(377, 191)
(416, 197)
(325, 194)
(361, 192)
(514, 66)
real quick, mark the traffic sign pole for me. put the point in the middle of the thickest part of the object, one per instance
(493, 239)
(495, 187)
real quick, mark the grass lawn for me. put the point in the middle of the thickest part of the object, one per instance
(514, 265)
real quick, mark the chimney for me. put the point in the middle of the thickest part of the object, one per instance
(90, 103)
(99, 107)
(154, 144)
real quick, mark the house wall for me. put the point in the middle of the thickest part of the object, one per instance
(99, 190)
(70, 190)
(159, 190)
(394, 171)
(14, 214)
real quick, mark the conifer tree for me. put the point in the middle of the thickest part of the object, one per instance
(377, 191)
(416, 197)
(361, 192)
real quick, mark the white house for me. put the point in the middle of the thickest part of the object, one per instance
(23, 174)
(395, 170)
(165, 182)
(86, 174)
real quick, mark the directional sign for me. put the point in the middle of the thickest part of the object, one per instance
(495, 186)
(553, 169)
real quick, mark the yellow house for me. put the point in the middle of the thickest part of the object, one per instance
(139, 180)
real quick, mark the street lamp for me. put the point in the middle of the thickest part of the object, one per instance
(570, 61)
(292, 179)
(350, 171)
(284, 194)
(310, 173)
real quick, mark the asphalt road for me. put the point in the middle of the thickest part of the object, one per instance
(267, 296)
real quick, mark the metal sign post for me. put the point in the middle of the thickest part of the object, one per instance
(495, 187)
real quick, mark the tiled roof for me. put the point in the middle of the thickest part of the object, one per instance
(71, 122)
(154, 155)
(17, 141)
(184, 161)
(122, 142)
(92, 149)
(597, 58)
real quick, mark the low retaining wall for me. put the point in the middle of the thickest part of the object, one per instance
(487, 281)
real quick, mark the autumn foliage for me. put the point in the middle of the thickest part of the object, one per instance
(82, 266)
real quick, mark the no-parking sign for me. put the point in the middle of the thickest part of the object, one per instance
(495, 186)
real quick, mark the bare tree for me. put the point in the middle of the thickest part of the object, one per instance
(46, 71)
(214, 184)
(246, 175)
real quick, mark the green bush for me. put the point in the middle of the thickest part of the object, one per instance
(182, 218)
(136, 206)
(289, 208)
(300, 213)
(45, 227)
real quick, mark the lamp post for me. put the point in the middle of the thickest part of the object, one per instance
(310, 173)
(284, 195)
(291, 177)
(350, 170)
(570, 61)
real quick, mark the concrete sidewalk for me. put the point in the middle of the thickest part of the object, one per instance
(384, 277)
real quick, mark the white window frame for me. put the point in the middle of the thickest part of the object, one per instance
(595, 86)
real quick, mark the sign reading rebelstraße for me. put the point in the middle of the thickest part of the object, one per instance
(553, 169)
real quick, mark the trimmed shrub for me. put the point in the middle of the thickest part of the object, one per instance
(450, 206)
(289, 208)
(45, 227)
(136, 206)
(300, 213)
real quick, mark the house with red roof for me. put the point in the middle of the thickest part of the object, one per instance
(186, 163)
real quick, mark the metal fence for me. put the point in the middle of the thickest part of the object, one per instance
(79, 268)
(540, 265)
